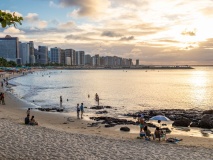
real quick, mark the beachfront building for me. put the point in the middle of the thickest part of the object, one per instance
(137, 62)
(102, 61)
(24, 52)
(109, 61)
(41, 55)
(81, 58)
(88, 59)
(62, 54)
(55, 55)
(9, 48)
(69, 53)
(118, 61)
(75, 58)
(31, 50)
(96, 60)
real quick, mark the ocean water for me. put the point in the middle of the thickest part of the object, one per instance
(124, 90)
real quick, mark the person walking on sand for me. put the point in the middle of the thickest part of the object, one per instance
(78, 110)
(82, 110)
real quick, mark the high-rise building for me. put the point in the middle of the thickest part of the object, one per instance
(137, 62)
(75, 58)
(55, 55)
(96, 60)
(9, 48)
(70, 53)
(41, 55)
(88, 59)
(32, 55)
(81, 57)
(24, 52)
(62, 56)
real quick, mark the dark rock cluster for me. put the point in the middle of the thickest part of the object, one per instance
(111, 122)
(181, 117)
(54, 109)
(100, 107)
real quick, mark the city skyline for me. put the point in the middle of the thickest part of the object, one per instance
(168, 32)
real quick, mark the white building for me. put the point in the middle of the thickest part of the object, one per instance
(68, 61)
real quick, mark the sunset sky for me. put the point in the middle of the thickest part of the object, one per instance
(154, 31)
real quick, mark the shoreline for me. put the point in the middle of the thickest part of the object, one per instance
(15, 111)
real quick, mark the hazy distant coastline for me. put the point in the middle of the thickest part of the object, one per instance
(120, 68)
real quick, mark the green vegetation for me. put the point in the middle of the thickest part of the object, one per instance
(4, 63)
(8, 19)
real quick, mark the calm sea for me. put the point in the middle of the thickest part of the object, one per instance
(125, 90)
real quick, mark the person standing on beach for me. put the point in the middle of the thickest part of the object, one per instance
(78, 110)
(82, 110)
(28, 111)
(60, 101)
(2, 98)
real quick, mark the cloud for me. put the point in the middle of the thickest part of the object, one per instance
(42, 24)
(33, 20)
(110, 34)
(31, 17)
(13, 30)
(189, 33)
(86, 7)
(53, 4)
(127, 38)
(76, 37)
(67, 25)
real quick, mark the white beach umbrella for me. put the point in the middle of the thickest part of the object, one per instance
(160, 117)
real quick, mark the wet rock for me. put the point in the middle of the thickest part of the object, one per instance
(208, 112)
(184, 122)
(108, 107)
(126, 129)
(194, 124)
(102, 112)
(206, 121)
(97, 107)
(167, 130)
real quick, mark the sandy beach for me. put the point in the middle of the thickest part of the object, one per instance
(62, 136)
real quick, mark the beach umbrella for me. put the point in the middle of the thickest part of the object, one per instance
(160, 117)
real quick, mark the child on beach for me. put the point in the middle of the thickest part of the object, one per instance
(78, 110)
(82, 110)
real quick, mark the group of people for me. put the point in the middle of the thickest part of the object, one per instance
(145, 132)
(80, 109)
(28, 120)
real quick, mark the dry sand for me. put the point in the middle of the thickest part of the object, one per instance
(62, 136)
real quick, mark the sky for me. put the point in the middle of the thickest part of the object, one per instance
(157, 32)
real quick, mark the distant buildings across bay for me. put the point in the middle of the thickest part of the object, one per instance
(25, 53)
